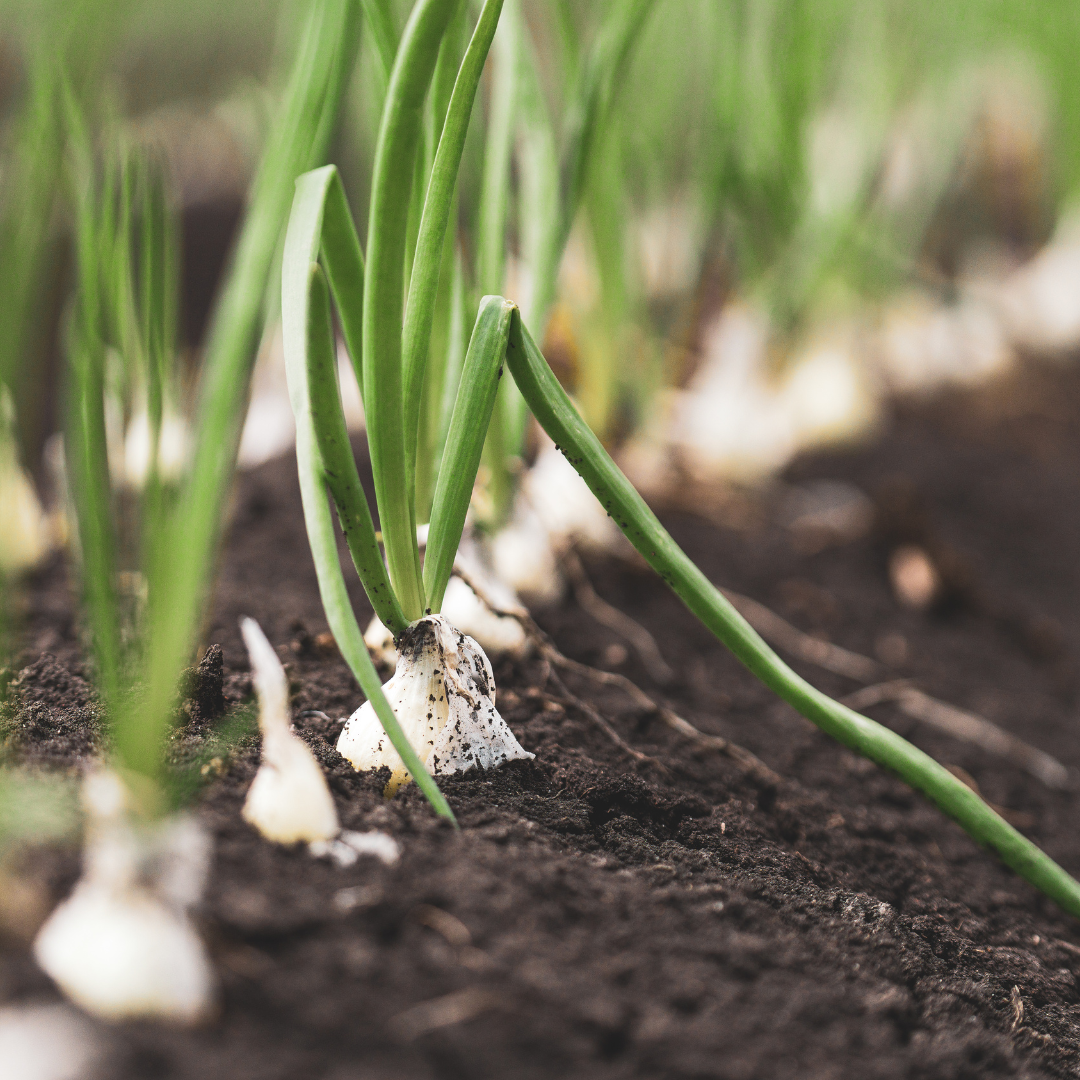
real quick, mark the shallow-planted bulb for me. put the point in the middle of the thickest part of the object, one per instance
(288, 799)
(443, 695)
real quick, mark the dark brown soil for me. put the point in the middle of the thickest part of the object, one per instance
(597, 918)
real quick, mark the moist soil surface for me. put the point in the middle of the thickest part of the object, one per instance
(602, 916)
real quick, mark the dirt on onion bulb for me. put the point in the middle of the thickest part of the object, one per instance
(288, 799)
(443, 695)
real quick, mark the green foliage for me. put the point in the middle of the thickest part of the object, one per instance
(557, 415)
(301, 136)
(480, 382)
(29, 186)
(393, 359)
(318, 218)
(124, 318)
(432, 252)
(36, 807)
(384, 292)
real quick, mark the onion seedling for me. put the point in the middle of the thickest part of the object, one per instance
(389, 349)
(288, 800)
(142, 867)
(323, 257)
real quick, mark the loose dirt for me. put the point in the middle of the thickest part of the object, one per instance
(598, 917)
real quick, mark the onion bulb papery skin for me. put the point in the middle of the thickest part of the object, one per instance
(289, 799)
(122, 946)
(443, 695)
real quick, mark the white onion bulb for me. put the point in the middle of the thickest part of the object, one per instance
(288, 799)
(122, 946)
(443, 695)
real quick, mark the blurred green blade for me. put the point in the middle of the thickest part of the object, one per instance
(538, 179)
(380, 21)
(424, 285)
(85, 442)
(88, 467)
(153, 277)
(495, 188)
(465, 442)
(587, 110)
(31, 181)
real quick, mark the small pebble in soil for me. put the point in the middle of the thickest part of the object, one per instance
(615, 655)
(914, 578)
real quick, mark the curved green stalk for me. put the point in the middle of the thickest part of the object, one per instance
(392, 179)
(465, 442)
(306, 331)
(320, 218)
(556, 414)
(424, 285)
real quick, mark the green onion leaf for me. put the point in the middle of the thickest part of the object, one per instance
(558, 417)
(465, 442)
(320, 216)
(392, 180)
(305, 314)
(423, 287)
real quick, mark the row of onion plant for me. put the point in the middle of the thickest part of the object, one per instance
(386, 337)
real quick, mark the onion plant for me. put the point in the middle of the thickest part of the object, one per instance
(122, 944)
(124, 307)
(388, 344)
(323, 259)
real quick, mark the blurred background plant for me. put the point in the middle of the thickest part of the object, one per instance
(736, 225)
